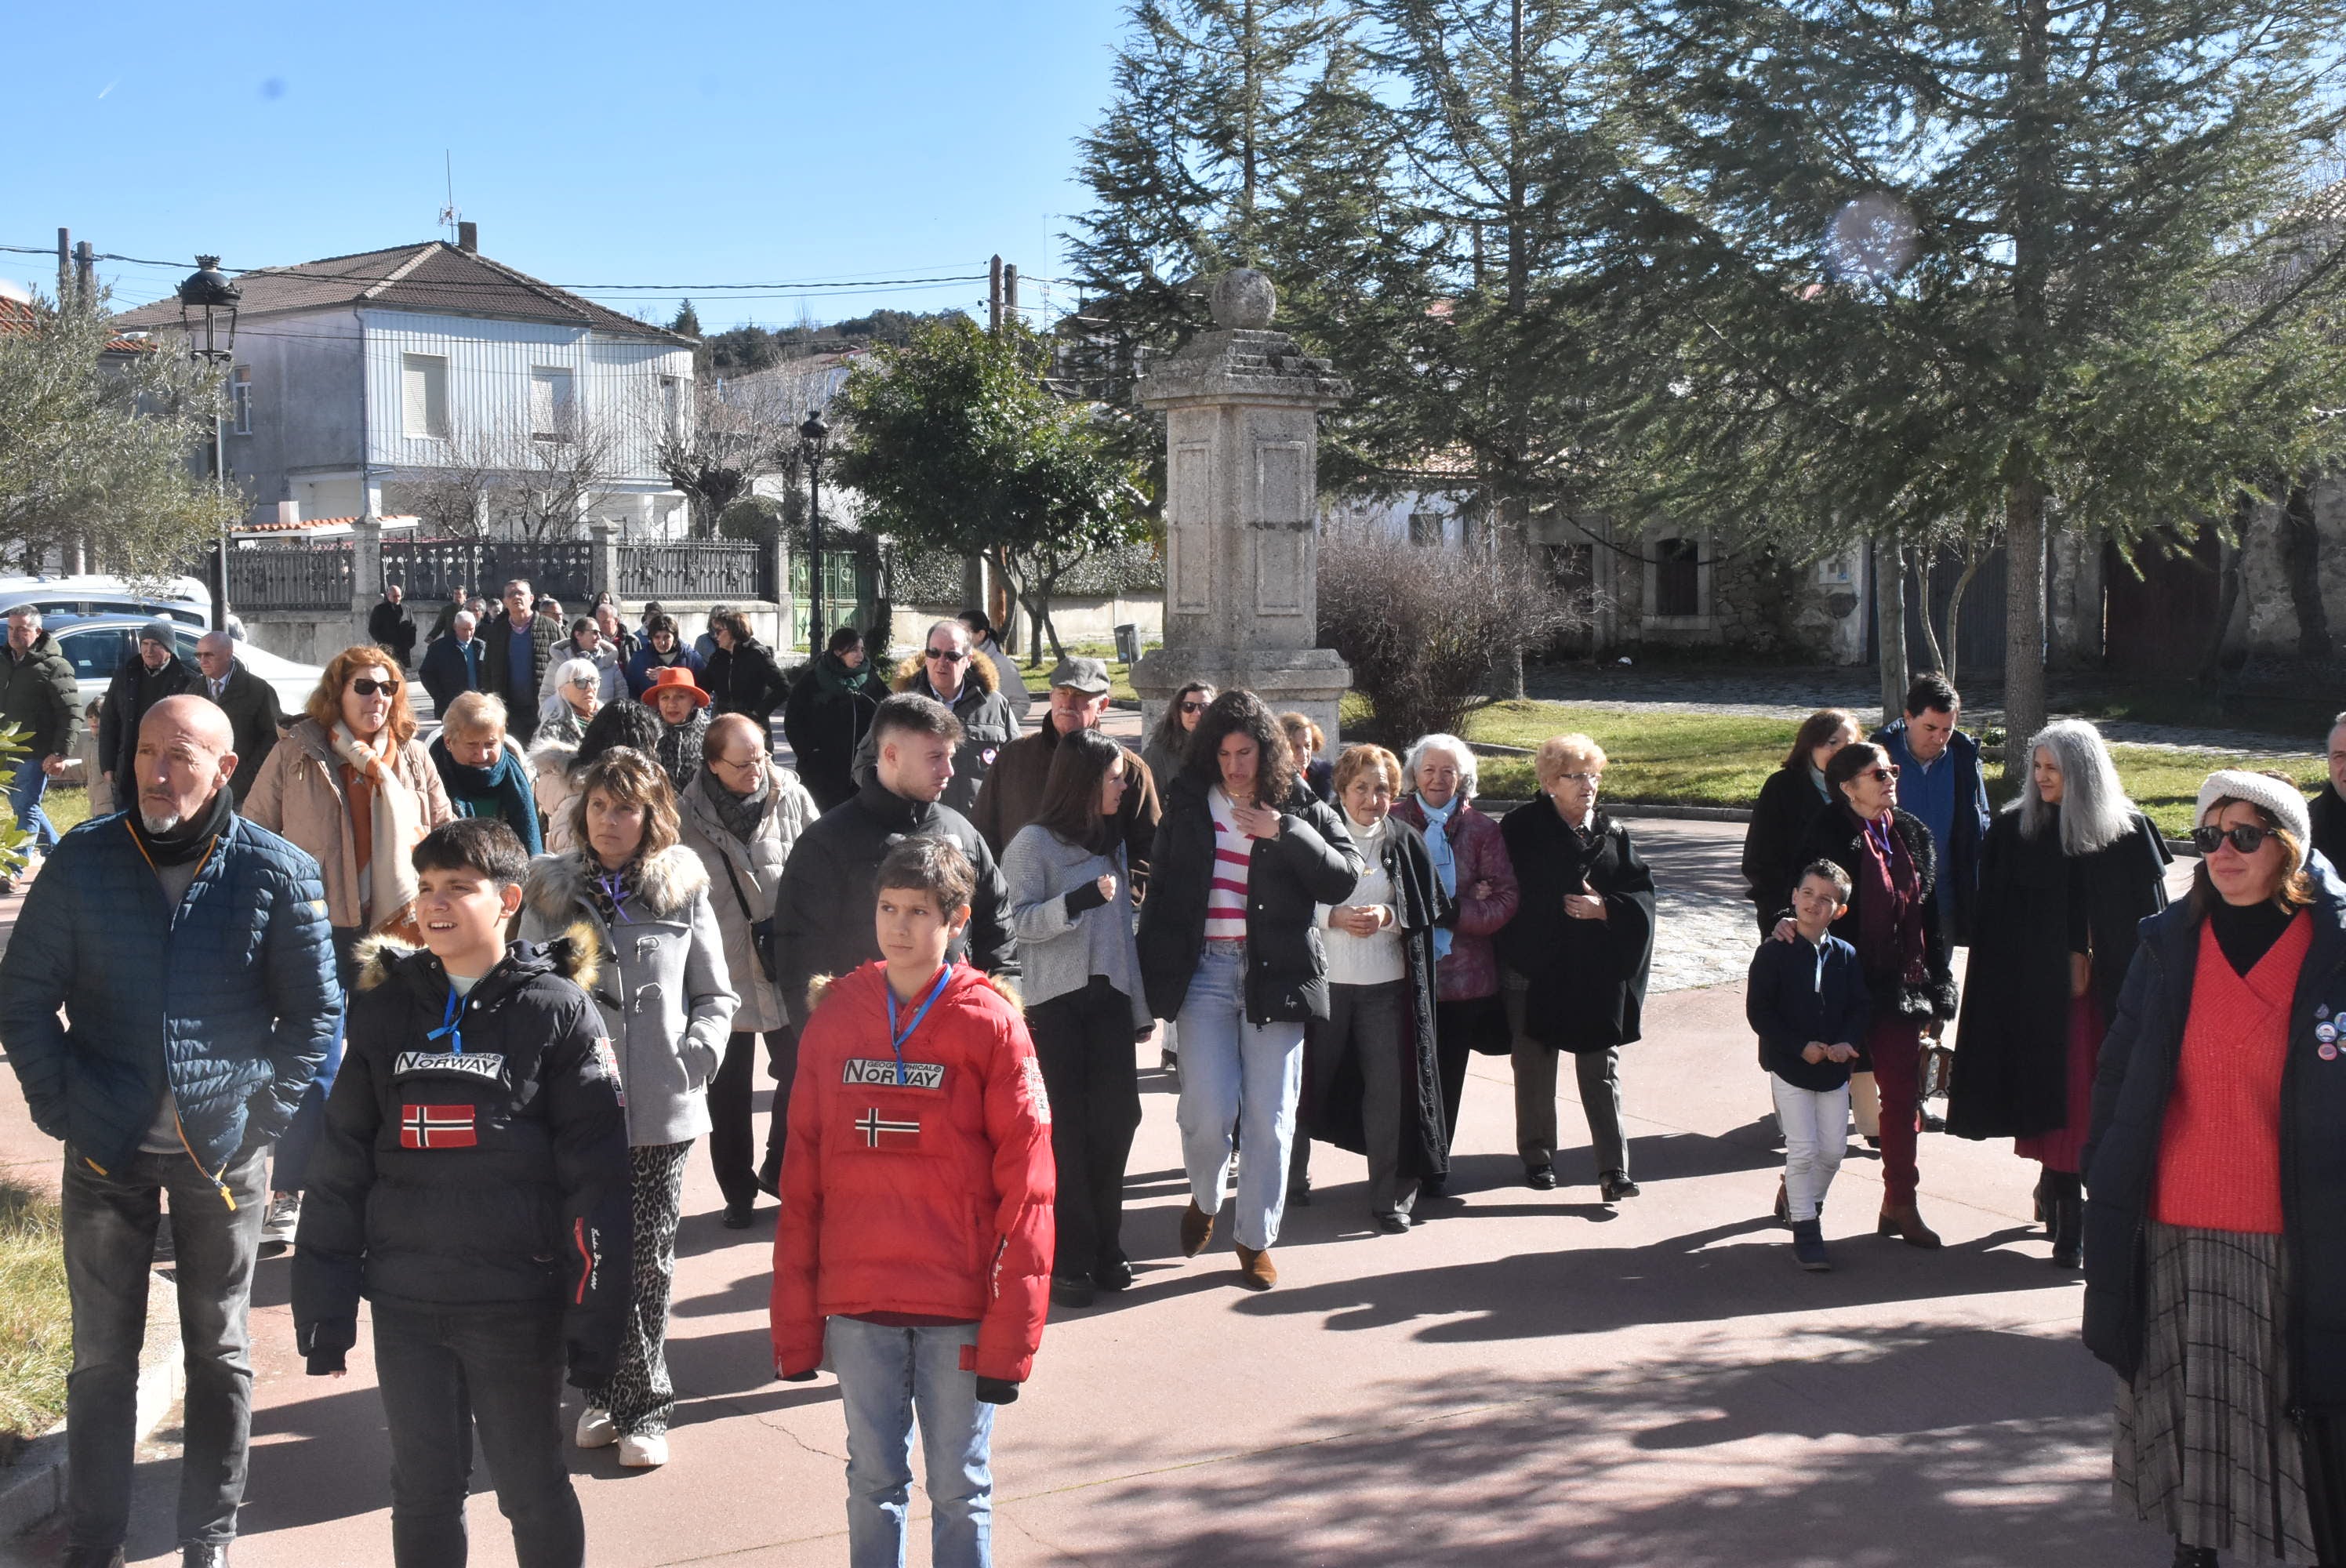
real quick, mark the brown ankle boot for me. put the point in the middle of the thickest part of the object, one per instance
(1256, 1270)
(1906, 1224)
(1196, 1229)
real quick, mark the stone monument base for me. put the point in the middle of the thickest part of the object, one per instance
(1311, 681)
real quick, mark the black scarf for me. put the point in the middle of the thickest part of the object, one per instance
(191, 838)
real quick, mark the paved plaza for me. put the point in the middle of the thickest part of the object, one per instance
(1527, 1377)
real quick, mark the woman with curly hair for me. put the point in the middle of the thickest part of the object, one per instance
(629, 886)
(1227, 951)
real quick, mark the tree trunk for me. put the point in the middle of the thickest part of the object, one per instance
(2024, 618)
(2301, 559)
(1922, 608)
(1972, 554)
(2228, 589)
(1890, 615)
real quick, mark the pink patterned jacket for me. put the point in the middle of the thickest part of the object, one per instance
(1472, 969)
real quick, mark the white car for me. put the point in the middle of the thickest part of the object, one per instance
(182, 599)
(95, 647)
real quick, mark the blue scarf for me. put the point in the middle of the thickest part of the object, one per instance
(501, 790)
(1445, 863)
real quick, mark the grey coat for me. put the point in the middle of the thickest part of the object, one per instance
(1058, 954)
(664, 991)
(757, 868)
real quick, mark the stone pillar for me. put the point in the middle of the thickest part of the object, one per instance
(366, 573)
(787, 637)
(603, 535)
(1241, 512)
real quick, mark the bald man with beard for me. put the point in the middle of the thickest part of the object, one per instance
(186, 951)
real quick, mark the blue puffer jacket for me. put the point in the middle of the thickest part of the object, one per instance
(236, 984)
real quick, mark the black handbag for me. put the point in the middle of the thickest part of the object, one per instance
(761, 931)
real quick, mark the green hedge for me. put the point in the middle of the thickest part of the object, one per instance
(935, 579)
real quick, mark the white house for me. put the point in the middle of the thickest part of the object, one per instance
(429, 379)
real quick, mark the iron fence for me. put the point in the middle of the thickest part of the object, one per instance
(290, 577)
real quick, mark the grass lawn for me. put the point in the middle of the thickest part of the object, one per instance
(1708, 759)
(65, 808)
(35, 1318)
(1119, 675)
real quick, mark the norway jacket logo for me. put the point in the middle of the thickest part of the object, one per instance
(488, 1064)
(863, 1070)
(876, 1129)
(437, 1128)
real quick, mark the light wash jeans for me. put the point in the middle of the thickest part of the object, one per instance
(1816, 1131)
(1234, 1071)
(26, 786)
(887, 1377)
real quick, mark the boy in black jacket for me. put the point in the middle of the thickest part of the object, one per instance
(1806, 997)
(472, 1183)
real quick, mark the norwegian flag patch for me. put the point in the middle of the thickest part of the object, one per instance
(882, 1132)
(437, 1128)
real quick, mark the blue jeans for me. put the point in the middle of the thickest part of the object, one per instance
(25, 787)
(109, 1249)
(1236, 1072)
(887, 1377)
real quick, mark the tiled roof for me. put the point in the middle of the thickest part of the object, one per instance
(433, 276)
(312, 525)
(16, 318)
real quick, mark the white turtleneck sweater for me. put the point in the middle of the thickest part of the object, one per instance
(1367, 960)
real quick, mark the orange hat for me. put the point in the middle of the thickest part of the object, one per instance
(674, 678)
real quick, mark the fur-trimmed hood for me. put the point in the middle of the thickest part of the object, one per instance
(913, 676)
(575, 955)
(821, 986)
(672, 881)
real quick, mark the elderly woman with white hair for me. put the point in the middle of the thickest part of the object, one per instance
(1470, 859)
(2068, 872)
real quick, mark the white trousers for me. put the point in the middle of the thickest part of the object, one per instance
(1816, 1131)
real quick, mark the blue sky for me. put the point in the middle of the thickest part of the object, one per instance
(687, 143)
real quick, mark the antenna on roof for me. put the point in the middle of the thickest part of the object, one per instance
(448, 214)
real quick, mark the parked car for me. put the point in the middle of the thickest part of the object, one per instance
(96, 645)
(181, 599)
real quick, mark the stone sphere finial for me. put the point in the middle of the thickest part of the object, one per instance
(1243, 301)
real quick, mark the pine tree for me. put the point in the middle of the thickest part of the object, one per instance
(686, 323)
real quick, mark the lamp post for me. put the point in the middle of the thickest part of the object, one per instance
(812, 436)
(217, 295)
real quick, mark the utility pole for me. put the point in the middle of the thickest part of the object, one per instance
(993, 285)
(65, 268)
(1009, 292)
(86, 276)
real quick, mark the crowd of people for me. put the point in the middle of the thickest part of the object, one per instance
(447, 1017)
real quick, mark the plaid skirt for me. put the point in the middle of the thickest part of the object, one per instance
(2204, 1447)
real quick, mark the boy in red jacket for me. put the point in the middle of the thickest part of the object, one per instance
(915, 1248)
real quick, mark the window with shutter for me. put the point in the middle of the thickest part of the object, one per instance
(550, 409)
(424, 396)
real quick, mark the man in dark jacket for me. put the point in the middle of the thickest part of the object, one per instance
(519, 643)
(832, 865)
(2328, 807)
(1013, 791)
(452, 665)
(388, 625)
(139, 685)
(1940, 783)
(254, 717)
(472, 1185)
(188, 952)
(39, 695)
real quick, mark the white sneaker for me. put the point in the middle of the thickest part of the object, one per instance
(594, 1428)
(643, 1450)
(279, 1224)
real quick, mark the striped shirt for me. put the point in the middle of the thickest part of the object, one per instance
(1226, 893)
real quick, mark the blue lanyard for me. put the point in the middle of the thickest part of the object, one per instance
(448, 1016)
(896, 1038)
(1880, 840)
(616, 890)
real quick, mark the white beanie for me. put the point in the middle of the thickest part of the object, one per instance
(2276, 796)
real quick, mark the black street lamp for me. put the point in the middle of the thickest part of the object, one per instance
(217, 295)
(812, 436)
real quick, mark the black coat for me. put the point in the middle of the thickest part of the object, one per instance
(1797, 993)
(1587, 977)
(134, 689)
(1334, 1117)
(745, 679)
(496, 669)
(2329, 814)
(2131, 1090)
(829, 708)
(494, 1178)
(1310, 860)
(1839, 836)
(2035, 905)
(1789, 801)
(255, 719)
(448, 673)
(388, 626)
(823, 907)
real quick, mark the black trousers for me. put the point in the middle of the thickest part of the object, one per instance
(781, 1066)
(1084, 1044)
(732, 1117)
(444, 1376)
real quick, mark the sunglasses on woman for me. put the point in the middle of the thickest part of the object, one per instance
(1193, 707)
(367, 686)
(2246, 837)
(1884, 774)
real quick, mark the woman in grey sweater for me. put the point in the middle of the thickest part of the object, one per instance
(1071, 905)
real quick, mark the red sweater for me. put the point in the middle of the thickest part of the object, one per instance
(2219, 1150)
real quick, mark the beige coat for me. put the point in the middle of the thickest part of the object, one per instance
(299, 795)
(757, 868)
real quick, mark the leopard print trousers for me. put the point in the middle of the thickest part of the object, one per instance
(640, 1395)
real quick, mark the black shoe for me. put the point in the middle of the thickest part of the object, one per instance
(1933, 1123)
(1168, 1062)
(1873, 1143)
(1393, 1224)
(768, 1179)
(1115, 1275)
(203, 1557)
(2068, 1232)
(1616, 1186)
(1808, 1246)
(738, 1215)
(1300, 1197)
(2194, 1556)
(1434, 1187)
(1071, 1291)
(91, 1557)
(1540, 1178)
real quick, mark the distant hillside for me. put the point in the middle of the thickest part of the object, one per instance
(741, 349)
